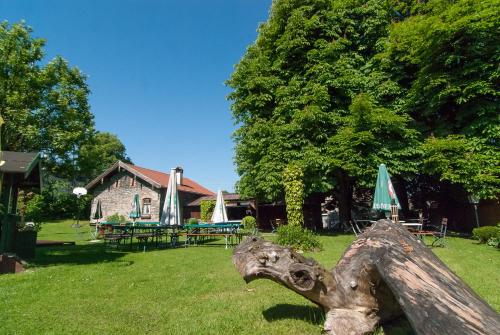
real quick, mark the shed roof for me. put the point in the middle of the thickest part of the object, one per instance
(227, 197)
(19, 162)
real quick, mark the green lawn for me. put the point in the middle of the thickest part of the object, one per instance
(87, 289)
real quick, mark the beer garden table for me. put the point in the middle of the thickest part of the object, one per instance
(228, 230)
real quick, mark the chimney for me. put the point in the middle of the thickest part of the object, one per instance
(178, 175)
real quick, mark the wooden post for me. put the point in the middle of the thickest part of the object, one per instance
(257, 218)
(386, 273)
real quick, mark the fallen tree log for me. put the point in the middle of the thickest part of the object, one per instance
(385, 274)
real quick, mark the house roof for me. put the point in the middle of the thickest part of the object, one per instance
(156, 178)
(227, 197)
(161, 178)
(19, 162)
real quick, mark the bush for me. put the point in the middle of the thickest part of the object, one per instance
(193, 221)
(34, 210)
(298, 238)
(494, 241)
(60, 203)
(249, 223)
(484, 234)
(116, 218)
(206, 209)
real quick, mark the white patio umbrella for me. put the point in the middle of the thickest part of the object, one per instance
(170, 214)
(220, 213)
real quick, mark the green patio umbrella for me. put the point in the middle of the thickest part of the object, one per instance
(136, 208)
(384, 191)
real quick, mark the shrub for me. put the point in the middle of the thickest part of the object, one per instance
(193, 221)
(116, 218)
(60, 203)
(206, 209)
(298, 238)
(249, 223)
(494, 241)
(34, 210)
(484, 234)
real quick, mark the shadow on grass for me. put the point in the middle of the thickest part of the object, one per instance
(315, 316)
(337, 234)
(76, 254)
(311, 314)
(399, 326)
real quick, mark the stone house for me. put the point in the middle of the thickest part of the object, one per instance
(116, 187)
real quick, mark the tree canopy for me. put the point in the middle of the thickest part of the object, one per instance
(445, 59)
(46, 109)
(102, 151)
(295, 84)
(337, 87)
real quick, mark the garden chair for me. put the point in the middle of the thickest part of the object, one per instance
(94, 230)
(355, 227)
(275, 224)
(394, 213)
(359, 226)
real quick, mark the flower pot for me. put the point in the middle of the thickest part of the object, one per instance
(25, 244)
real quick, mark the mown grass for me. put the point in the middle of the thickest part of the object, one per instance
(89, 289)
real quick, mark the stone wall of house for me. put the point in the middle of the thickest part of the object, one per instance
(117, 193)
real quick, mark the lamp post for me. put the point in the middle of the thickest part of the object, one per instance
(475, 201)
(78, 191)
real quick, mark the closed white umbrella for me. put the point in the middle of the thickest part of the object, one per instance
(170, 214)
(220, 213)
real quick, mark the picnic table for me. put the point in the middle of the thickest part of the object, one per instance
(200, 231)
(412, 225)
(142, 231)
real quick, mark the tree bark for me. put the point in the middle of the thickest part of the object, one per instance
(386, 273)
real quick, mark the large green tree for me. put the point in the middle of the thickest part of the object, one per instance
(45, 108)
(429, 74)
(293, 89)
(102, 151)
(445, 59)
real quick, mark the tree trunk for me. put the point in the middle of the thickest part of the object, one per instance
(385, 273)
(400, 186)
(345, 197)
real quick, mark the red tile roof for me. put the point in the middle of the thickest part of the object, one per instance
(161, 178)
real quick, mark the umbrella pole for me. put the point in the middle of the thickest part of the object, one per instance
(77, 225)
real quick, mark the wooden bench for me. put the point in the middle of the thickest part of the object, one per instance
(227, 237)
(115, 238)
(143, 238)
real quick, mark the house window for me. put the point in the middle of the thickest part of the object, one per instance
(146, 208)
(132, 182)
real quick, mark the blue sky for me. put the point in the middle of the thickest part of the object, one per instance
(156, 69)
